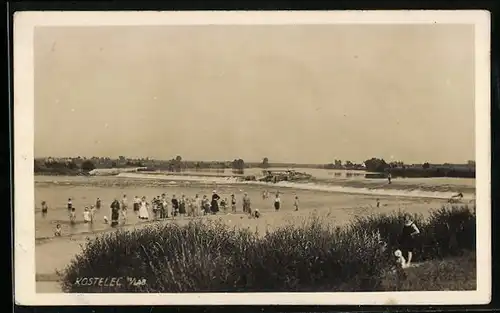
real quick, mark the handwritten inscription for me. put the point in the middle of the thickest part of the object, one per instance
(110, 281)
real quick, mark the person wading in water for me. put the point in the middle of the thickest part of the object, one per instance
(410, 230)
(45, 208)
(246, 204)
(124, 208)
(277, 202)
(233, 203)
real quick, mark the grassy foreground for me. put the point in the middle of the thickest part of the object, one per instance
(208, 256)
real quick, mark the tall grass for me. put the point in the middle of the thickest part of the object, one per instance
(208, 256)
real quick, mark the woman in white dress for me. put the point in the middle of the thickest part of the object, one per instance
(143, 209)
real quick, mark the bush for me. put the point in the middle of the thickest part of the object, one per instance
(446, 232)
(87, 166)
(205, 256)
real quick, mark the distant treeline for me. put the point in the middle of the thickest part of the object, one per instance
(399, 169)
(81, 166)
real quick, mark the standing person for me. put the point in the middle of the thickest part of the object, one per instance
(86, 215)
(389, 178)
(206, 205)
(196, 205)
(92, 213)
(98, 204)
(296, 203)
(407, 241)
(182, 206)
(156, 207)
(378, 203)
(165, 205)
(214, 205)
(70, 205)
(162, 205)
(143, 209)
(233, 203)
(45, 209)
(71, 212)
(175, 206)
(246, 204)
(115, 212)
(223, 205)
(137, 204)
(72, 215)
(189, 206)
(277, 202)
(124, 208)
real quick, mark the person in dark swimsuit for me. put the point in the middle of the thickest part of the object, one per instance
(407, 241)
(98, 204)
(137, 204)
(277, 202)
(45, 209)
(214, 205)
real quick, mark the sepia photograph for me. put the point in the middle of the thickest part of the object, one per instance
(252, 157)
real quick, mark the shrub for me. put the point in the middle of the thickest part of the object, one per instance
(205, 256)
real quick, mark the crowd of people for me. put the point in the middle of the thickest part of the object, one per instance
(162, 207)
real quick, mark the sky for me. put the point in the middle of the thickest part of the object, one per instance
(292, 93)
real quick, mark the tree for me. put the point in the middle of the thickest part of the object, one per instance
(72, 165)
(87, 166)
(376, 165)
(265, 163)
(238, 164)
(426, 165)
(338, 163)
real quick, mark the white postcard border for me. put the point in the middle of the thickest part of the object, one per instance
(24, 245)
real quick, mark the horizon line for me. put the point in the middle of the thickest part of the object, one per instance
(465, 162)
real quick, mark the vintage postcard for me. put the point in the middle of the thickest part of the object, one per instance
(293, 158)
